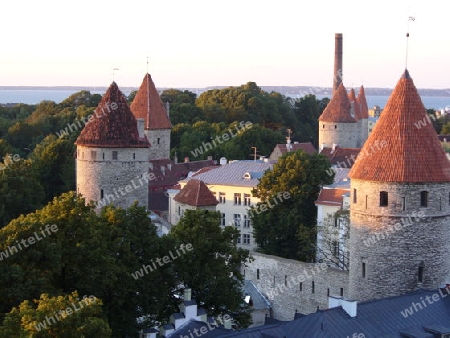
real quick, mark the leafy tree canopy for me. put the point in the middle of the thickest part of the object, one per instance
(289, 191)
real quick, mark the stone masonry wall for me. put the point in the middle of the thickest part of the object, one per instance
(389, 244)
(288, 284)
(161, 150)
(345, 135)
(121, 180)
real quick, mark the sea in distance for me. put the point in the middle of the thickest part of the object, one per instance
(34, 96)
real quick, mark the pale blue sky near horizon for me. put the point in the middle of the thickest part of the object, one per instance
(203, 43)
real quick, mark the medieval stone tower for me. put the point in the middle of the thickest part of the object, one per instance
(400, 207)
(112, 155)
(148, 106)
(344, 122)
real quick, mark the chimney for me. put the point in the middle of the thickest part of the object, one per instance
(348, 305)
(337, 76)
(187, 294)
(140, 127)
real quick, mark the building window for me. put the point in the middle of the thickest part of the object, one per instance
(383, 199)
(323, 126)
(312, 287)
(179, 210)
(103, 156)
(403, 203)
(366, 201)
(222, 220)
(424, 199)
(246, 221)
(114, 155)
(101, 193)
(157, 141)
(363, 270)
(440, 203)
(221, 197)
(336, 222)
(134, 156)
(285, 280)
(237, 199)
(257, 273)
(335, 126)
(246, 238)
(354, 196)
(301, 286)
(237, 220)
(342, 292)
(335, 246)
(247, 199)
(93, 154)
(328, 292)
(238, 240)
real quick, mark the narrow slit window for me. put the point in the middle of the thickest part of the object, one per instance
(384, 199)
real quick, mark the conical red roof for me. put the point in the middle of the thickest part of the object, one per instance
(364, 108)
(196, 193)
(148, 106)
(113, 124)
(356, 105)
(338, 109)
(403, 146)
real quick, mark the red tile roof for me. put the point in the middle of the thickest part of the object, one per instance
(196, 193)
(410, 153)
(361, 99)
(338, 109)
(356, 105)
(342, 157)
(166, 173)
(113, 125)
(331, 197)
(148, 105)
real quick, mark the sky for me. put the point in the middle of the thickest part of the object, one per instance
(199, 43)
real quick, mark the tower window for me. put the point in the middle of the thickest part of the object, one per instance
(420, 272)
(328, 292)
(301, 286)
(93, 154)
(335, 126)
(312, 287)
(384, 199)
(424, 198)
(114, 155)
(354, 196)
(363, 270)
(257, 273)
(103, 156)
(342, 292)
(101, 193)
(157, 141)
(403, 203)
(323, 126)
(366, 201)
(134, 156)
(440, 203)
(285, 280)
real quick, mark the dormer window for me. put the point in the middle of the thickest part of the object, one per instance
(247, 176)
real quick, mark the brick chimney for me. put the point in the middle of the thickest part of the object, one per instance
(337, 75)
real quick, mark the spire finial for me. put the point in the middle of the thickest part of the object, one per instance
(114, 69)
(410, 18)
(147, 64)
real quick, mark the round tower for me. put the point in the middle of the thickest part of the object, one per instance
(148, 106)
(336, 124)
(400, 207)
(112, 155)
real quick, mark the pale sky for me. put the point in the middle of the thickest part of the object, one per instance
(201, 43)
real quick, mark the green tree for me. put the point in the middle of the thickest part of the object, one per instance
(63, 316)
(212, 268)
(20, 189)
(285, 226)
